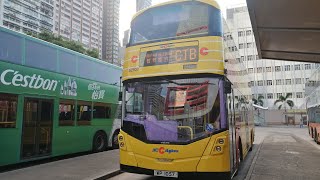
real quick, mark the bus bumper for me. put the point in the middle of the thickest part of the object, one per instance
(202, 175)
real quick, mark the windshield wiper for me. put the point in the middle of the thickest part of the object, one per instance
(181, 84)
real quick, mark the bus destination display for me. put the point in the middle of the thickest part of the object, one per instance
(171, 56)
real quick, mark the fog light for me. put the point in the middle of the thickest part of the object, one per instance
(121, 144)
(221, 141)
(120, 138)
(218, 148)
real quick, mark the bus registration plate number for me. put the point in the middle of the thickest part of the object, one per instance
(166, 173)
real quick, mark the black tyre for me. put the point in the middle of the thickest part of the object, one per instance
(99, 142)
(115, 142)
(251, 143)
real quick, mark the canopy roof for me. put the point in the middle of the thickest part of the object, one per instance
(286, 29)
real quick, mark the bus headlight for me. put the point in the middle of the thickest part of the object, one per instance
(221, 141)
(122, 144)
(218, 148)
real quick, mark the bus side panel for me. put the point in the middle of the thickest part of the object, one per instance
(10, 146)
(75, 139)
(10, 139)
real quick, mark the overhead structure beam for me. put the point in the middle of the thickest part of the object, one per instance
(286, 29)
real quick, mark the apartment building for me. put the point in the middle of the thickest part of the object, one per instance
(27, 16)
(80, 20)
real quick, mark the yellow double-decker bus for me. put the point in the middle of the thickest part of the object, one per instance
(186, 108)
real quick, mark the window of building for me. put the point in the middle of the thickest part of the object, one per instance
(278, 95)
(242, 58)
(268, 69)
(8, 110)
(259, 70)
(277, 68)
(288, 81)
(298, 81)
(241, 33)
(260, 83)
(307, 66)
(252, 83)
(278, 82)
(297, 67)
(248, 32)
(66, 113)
(257, 57)
(241, 46)
(299, 95)
(250, 70)
(250, 58)
(249, 45)
(10, 48)
(269, 82)
(84, 113)
(101, 111)
(270, 96)
(287, 67)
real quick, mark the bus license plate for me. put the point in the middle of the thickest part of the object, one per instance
(165, 173)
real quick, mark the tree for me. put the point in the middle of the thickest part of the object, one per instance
(58, 40)
(93, 53)
(283, 103)
(258, 102)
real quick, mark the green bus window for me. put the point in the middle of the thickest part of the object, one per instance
(66, 113)
(101, 111)
(67, 62)
(86, 67)
(41, 56)
(84, 113)
(8, 110)
(10, 48)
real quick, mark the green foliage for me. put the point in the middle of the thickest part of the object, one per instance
(284, 101)
(72, 45)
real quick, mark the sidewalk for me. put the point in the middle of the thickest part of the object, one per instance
(284, 156)
(87, 167)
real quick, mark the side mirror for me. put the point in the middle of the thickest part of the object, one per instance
(120, 96)
(227, 87)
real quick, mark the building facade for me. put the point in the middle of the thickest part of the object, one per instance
(142, 4)
(110, 31)
(80, 21)
(269, 78)
(27, 16)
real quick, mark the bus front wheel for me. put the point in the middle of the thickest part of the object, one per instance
(115, 142)
(99, 142)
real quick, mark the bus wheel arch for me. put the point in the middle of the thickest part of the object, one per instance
(239, 152)
(100, 141)
(115, 143)
(252, 140)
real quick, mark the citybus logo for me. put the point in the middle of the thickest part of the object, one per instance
(163, 150)
(34, 82)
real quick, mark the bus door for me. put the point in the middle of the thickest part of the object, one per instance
(37, 128)
(232, 132)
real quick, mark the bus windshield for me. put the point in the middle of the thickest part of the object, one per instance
(178, 110)
(171, 22)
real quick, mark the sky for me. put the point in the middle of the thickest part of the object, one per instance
(128, 7)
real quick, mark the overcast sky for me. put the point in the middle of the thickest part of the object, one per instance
(128, 7)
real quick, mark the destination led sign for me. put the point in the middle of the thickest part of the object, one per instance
(172, 56)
